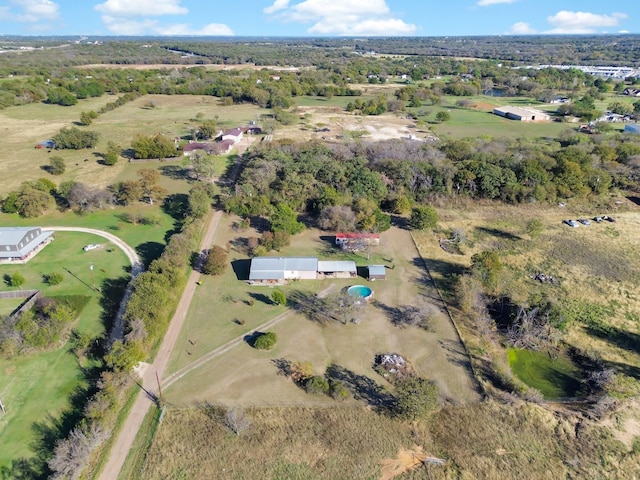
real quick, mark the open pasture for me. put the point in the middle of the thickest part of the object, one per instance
(24, 126)
(226, 308)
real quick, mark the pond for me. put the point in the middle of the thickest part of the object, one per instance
(554, 378)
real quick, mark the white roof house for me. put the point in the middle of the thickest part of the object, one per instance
(276, 270)
(19, 243)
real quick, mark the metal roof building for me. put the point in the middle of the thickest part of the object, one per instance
(337, 268)
(377, 272)
(275, 270)
(20, 243)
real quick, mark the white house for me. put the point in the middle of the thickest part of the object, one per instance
(22, 243)
(235, 135)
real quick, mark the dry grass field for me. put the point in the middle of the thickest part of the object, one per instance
(245, 375)
(23, 127)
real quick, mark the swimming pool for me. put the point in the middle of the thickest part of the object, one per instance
(361, 291)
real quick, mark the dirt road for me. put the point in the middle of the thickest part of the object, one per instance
(132, 424)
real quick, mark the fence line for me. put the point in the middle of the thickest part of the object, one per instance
(30, 297)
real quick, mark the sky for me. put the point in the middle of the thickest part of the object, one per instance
(318, 18)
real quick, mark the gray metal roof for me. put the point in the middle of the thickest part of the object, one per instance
(274, 267)
(377, 270)
(14, 235)
(337, 266)
(6, 236)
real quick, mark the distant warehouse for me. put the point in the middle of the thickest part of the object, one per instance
(521, 114)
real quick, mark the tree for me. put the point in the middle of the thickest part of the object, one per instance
(317, 385)
(416, 397)
(199, 203)
(216, 261)
(86, 118)
(423, 218)
(16, 279)
(32, 202)
(125, 355)
(73, 138)
(265, 341)
(486, 267)
(154, 146)
(112, 154)
(56, 165)
(338, 219)
(204, 166)
(149, 178)
(443, 116)
(278, 297)
(285, 219)
(54, 278)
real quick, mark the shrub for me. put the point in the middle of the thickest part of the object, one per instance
(278, 297)
(16, 279)
(54, 278)
(317, 385)
(56, 165)
(416, 397)
(339, 391)
(423, 218)
(266, 341)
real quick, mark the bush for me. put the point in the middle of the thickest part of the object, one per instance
(416, 397)
(16, 279)
(339, 391)
(54, 278)
(266, 341)
(56, 166)
(317, 385)
(423, 218)
(278, 297)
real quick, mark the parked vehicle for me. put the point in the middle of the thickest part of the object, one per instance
(91, 246)
(584, 221)
(608, 218)
(571, 223)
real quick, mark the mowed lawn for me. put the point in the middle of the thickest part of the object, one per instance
(36, 388)
(247, 376)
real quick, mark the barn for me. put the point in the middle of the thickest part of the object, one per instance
(19, 244)
(277, 270)
(521, 114)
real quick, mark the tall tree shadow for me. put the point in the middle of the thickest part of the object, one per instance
(362, 387)
(620, 338)
(494, 232)
(149, 251)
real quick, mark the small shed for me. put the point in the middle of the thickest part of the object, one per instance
(632, 128)
(377, 272)
(337, 269)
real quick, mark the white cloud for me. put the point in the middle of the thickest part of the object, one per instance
(346, 17)
(184, 29)
(582, 22)
(276, 7)
(484, 3)
(141, 8)
(522, 28)
(30, 11)
(121, 26)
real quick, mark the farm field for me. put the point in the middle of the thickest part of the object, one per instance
(39, 389)
(249, 376)
(170, 115)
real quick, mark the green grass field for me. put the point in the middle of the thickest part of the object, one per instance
(37, 389)
(554, 378)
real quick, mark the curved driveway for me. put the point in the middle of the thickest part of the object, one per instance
(136, 268)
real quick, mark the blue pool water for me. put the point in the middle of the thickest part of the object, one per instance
(360, 291)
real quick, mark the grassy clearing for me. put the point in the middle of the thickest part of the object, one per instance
(480, 441)
(37, 389)
(554, 378)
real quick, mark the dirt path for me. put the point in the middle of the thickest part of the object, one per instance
(117, 332)
(129, 430)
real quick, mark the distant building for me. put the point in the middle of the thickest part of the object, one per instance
(632, 128)
(20, 244)
(521, 114)
(235, 135)
(346, 240)
(337, 269)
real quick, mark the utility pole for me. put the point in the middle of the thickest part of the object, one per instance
(159, 388)
(93, 280)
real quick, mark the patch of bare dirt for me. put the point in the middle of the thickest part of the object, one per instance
(406, 461)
